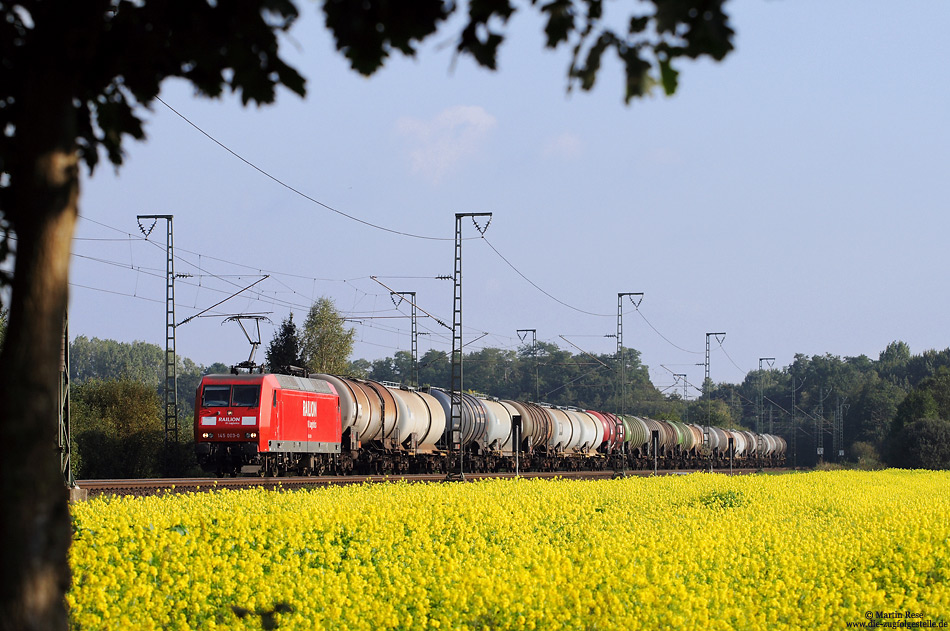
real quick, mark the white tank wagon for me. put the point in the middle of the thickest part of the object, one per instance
(567, 436)
(592, 432)
(499, 435)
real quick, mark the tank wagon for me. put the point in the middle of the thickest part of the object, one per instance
(270, 424)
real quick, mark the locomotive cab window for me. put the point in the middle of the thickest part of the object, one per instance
(245, 396)
(216, 396)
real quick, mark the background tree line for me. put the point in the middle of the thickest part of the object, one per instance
(894, 410)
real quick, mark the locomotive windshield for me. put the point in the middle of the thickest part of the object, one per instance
(216, 396)
(234, 396)
(245, 396)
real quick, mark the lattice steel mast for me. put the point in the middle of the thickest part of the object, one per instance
(63, 442)
(171, 362)
(522, 334)
(415, 332)
(719, 337)
(620, 352)
(455, 433)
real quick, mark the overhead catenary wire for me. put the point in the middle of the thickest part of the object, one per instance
(270, 298)
(376, 226)
(273, 298)
(364, 222)
(538, 287)
(295, 190)
(186, 320)
(670, 342)
(223, 277)
(354, 218)
(179, 250)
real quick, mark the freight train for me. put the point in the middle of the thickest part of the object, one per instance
(272, 424)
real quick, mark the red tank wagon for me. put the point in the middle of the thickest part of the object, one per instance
(266, 423)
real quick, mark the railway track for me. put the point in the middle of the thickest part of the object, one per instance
(159, 486)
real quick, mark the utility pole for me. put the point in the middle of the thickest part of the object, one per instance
(455, 432)
(415, 332)
(685, 394)
(635, 297)
(719, 338)
(522, 334)
(64, 442)
(638, 295)
(820, 425)
(770, 361)
(171, 361)
(794, 421)
(759, 405)
(841, 408)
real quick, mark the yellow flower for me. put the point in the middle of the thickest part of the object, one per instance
(700, 551)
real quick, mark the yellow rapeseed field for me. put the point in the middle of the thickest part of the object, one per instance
(813, 550)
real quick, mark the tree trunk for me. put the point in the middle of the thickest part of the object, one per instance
(34, 514)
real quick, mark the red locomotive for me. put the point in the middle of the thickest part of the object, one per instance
(265, 423)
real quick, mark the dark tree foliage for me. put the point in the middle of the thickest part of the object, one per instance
(358, 368)
(435, 369)
(117, 429)
(873, 409)
(930, 399)
(893, 362)
(923, 443)
(110, 360)
(654, 36)
(284, 349)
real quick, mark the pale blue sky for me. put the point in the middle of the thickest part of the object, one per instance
(793, 196)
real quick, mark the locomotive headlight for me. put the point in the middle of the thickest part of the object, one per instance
(207, 435)
(250, 435)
